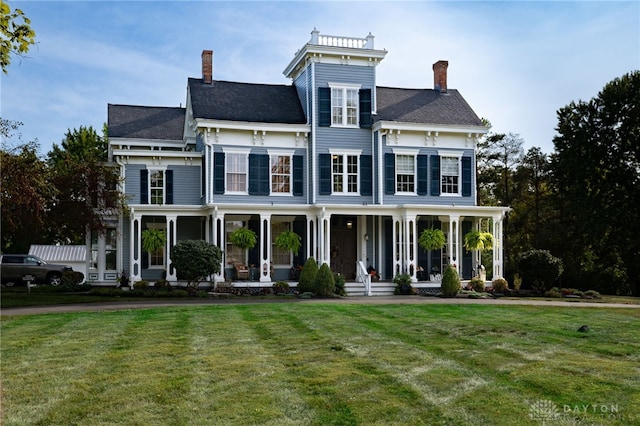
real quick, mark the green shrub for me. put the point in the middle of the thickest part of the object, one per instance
(140, 285)
(162, 285)
(554, 292)
(477, 284)
(72, 278)
(403, 284)
(281, 287)
(324, 284)
(450, 286)
(500, 285)
(308, 276)
(340, 282)
(592, 294)
(539, 269)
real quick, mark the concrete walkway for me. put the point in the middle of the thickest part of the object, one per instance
(359, 300)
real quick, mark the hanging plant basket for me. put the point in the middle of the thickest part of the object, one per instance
(243, 238)
(153, 240)
(288, 240)
(478, 240)
(431, 239)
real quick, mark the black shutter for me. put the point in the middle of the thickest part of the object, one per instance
(365, 108)
(218, 173)
(466, 176)
(168, 179)
(258, 174)
(324, 167)
(264, 183)
(144, 186)
(389, 173)
(366, 175)
(298, 172)
(435, 175)
(254, 174)
(324, 106)
(423, 174)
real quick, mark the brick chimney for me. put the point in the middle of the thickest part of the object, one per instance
(207, 66)
(440, 76)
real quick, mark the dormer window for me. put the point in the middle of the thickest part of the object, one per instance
(344, 106)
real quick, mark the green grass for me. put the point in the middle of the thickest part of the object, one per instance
(321, 364)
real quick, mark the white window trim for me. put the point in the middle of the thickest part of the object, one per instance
(344, 153)
(344, 87)
(151, 170)
(411, 153)
(236, 151)
(451, 154)
(161, 226)
(290, 228)
(281, 153)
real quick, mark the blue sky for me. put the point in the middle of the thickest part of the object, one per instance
(515, 62)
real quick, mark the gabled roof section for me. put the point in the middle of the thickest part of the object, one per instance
(143, 122)
(425, 106)
(259, 103)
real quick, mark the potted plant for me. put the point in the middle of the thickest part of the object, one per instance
(243, 238)
(478, 240)
(403, 284)
(123, 280)
(431, 239)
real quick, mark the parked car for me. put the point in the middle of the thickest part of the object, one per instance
(14, 267)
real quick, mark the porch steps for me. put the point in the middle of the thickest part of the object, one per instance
(377, 288)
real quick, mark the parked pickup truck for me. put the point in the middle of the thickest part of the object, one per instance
(15, 267)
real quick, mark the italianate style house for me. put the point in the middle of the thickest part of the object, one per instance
(357, 170)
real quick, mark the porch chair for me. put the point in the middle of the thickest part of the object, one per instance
(242, 271)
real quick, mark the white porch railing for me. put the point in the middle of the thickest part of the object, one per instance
(340, 41)
(364, 277)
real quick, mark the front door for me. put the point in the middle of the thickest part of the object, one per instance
(344, 248)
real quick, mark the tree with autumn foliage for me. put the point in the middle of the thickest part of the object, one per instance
(24, 191)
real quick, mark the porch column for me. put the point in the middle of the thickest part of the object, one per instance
(397, 246)
(324, 238)
(410, 246)
(172, 235)
(265, 248)
(217, 231)
(497, 247)
(454, 241)
(135, 265)
(310, 239)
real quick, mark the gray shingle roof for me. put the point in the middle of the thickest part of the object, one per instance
(143, 122)
(424, 106)
(262, 103)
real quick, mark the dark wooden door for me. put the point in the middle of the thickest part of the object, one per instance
(344, 247)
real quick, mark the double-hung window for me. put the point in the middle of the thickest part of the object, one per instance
(279, 256)
(405, 173)
(344, 105)
(236, 172)
(450, 175)
(156, 186)
(280, 174)
(344, 173)
(156, 258)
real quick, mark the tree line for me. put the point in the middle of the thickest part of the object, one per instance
(580, 202)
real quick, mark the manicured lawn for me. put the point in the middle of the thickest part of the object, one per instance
(323, 364)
